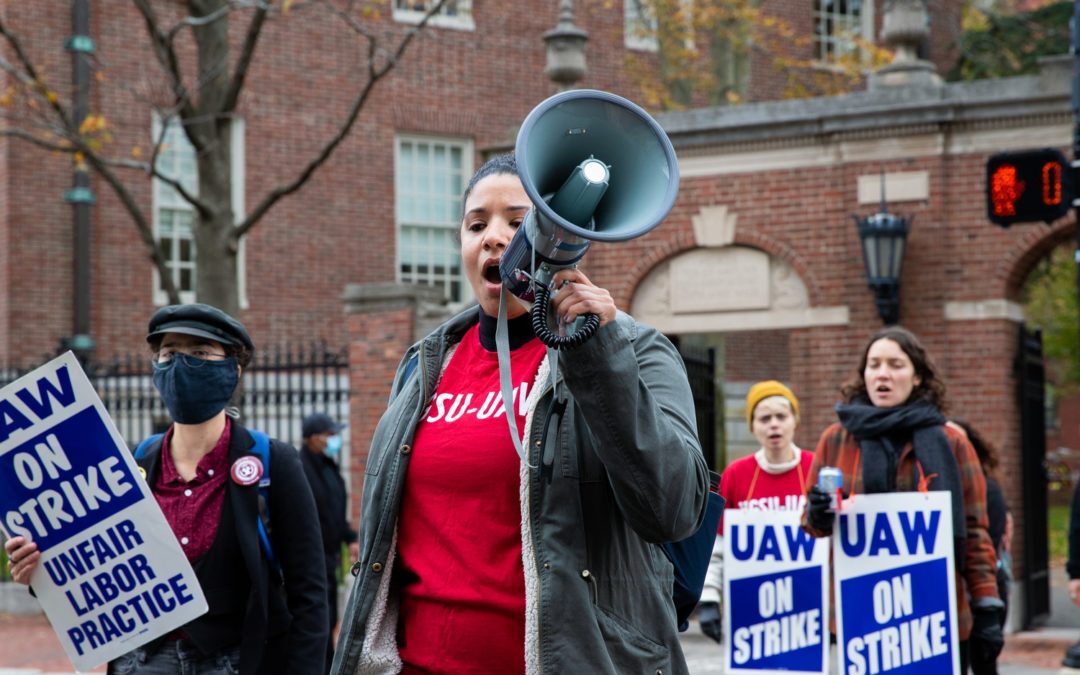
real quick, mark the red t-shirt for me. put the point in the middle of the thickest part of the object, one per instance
(745, 485)
(459, 532)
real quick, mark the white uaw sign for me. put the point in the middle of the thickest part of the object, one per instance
(776, 594)
(895, 586)
(112, 575)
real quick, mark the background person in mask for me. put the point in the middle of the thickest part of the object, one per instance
(320, 454)
(205, 477)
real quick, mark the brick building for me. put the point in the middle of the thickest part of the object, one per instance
(768, 191)
(459, 93)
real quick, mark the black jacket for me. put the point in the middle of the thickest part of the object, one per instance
(285, 627)
(331, 501)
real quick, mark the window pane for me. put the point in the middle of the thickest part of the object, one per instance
(454, 8)
(165, 222)
(173, 214)
(836, 25)
(429, 182)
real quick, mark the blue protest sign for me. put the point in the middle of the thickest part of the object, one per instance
(112, 575)
(776, 602)
(895, 587)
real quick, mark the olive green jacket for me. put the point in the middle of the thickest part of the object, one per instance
(621, 473)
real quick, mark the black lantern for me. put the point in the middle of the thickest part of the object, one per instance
(883, 237)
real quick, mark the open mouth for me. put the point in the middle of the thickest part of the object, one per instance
(491, 272)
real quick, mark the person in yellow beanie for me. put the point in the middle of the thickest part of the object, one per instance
(773, 478)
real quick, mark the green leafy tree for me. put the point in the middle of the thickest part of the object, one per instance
(703, 50)
(1050, 304)
(1006, 43)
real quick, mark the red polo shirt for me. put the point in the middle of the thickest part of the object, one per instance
(193, 508)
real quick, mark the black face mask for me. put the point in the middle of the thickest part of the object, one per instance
(194, 390)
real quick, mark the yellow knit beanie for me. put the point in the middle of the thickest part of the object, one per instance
(763, 390)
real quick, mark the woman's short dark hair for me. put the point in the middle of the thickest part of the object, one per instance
(497, 165)
(930, 387)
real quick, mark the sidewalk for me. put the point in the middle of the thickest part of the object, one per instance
(1036, 652)
(29, 647)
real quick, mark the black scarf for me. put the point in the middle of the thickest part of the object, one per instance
(879, 433)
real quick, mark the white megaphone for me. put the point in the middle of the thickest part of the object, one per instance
(595, 167)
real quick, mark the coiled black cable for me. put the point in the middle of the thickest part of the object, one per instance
(541, 298)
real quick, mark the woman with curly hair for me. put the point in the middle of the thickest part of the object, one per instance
(892, 437)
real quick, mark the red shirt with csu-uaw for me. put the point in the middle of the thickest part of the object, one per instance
(459, 534)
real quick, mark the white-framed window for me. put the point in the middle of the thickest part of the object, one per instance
(837, 24)
(639, 26)
(429, 177)
(453, 14)
(174, 217)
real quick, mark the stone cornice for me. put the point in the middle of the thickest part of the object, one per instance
(1037, 100)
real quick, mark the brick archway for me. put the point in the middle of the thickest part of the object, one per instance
(1038, 242)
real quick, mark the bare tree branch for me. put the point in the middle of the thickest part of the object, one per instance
(78, 144)
(145, 229)
(36, 82)
(166, 56)
(247, 52)
(375, 74)
(42, 143)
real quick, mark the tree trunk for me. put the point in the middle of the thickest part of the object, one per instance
(211, 134)
(215, 245)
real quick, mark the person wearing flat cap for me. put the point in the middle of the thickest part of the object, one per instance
(319, 454)
(773, 478)
(264, 617)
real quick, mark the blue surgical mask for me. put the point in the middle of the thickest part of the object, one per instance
(333, 446)
(194, 390)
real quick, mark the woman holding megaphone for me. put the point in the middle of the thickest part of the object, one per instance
(475, 558)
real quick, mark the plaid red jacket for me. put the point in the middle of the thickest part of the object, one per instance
(976, 575)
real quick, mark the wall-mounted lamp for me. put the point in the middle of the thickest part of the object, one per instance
(883, 237)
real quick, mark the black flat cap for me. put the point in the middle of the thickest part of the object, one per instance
(317, 423)
(202, 321)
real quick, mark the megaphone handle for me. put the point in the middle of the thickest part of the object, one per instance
(542, 295)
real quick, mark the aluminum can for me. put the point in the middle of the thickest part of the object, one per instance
(830, 479)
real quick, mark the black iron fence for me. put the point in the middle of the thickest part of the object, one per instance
(280, 387)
